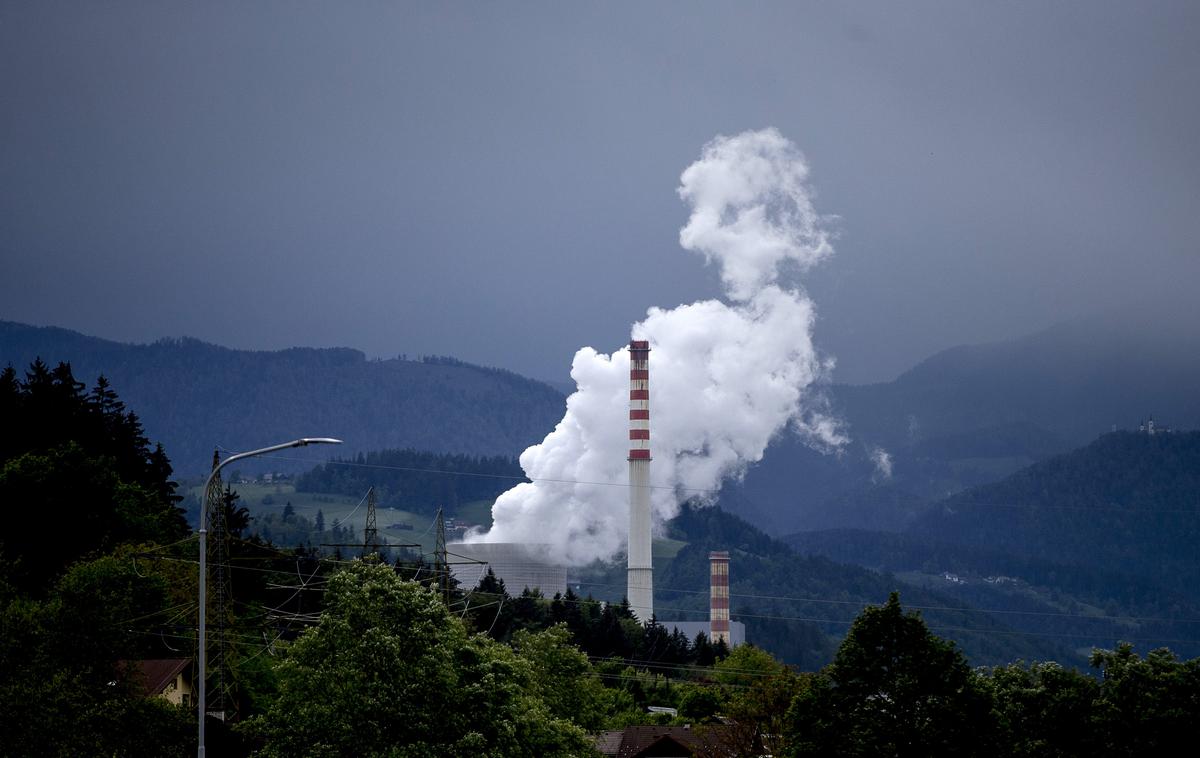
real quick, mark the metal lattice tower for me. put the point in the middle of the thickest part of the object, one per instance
(220, 595)
(441, 564)
(370, 532)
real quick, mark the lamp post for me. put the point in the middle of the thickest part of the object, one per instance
(203, 631)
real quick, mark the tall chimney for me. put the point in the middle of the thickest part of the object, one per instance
(640, 590)
(718, 614)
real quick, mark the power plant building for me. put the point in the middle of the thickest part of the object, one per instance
(519, 565)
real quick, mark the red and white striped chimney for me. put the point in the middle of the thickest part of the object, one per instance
(640, 589)
(718, 614)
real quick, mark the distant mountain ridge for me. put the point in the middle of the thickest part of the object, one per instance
(192, 395)
(974, 414)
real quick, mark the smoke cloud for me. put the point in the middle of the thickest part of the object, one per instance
(725, 377)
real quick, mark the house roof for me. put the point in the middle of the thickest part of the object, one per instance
(154, 674)
(609, 743)
(658, 741)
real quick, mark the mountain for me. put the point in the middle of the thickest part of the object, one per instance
(192, 396)
(800, 606)
(972, 415)
(1098, 543)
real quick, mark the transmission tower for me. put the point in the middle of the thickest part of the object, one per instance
(370, 532)
(441, 564)
(219, 700)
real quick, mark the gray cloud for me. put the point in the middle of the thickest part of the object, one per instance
(496, 182)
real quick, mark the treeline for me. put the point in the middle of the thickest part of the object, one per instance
(893, 688)
(414, 480)
(78, 475)
(80, 487)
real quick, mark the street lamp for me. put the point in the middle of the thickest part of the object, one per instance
(303, 442)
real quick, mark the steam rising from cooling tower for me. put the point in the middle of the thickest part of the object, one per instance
(728, 376)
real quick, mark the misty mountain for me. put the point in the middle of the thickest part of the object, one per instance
(191, 396)
(1108, 531)
(971, 415)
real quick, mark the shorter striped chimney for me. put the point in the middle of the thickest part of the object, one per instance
(718, 618)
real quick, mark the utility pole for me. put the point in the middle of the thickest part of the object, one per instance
(202, 622)
(219, 699)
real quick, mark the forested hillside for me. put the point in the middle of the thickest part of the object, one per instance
(1097, 543)
(1129, 501)
(799, 606)
(416, 481)
(193, 396)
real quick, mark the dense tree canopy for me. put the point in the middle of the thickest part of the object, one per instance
(75, 470)
(894, 689)
(388, 671)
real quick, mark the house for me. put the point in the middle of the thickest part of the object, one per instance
(169, 678)
(664, 742)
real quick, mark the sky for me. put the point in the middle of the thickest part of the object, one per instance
(499, 182)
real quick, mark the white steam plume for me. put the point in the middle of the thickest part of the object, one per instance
(724, 377)
(883, 464)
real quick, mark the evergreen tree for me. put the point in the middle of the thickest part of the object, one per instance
(894, 689)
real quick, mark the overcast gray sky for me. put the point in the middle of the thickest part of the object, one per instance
(498, 181)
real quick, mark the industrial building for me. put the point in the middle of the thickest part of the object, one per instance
(519, 565)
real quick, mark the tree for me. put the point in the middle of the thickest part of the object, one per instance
(82, 462)
(62, 691)
(894, 689)
(1044, 710)
(759, 691)
(561, 676)
(389, 671)
(699, 704)
(1145, 706)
